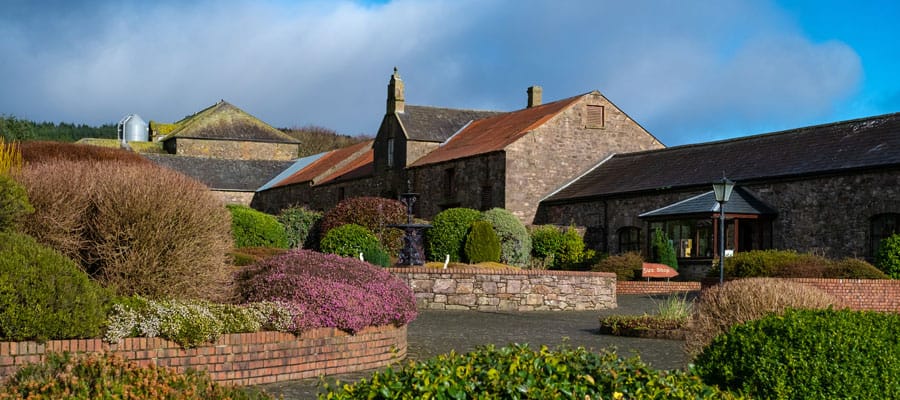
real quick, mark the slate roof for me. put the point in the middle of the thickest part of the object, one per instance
(740, 202)
(494, 133)
(322, 165)
(434, 124)
(224, 121)
(856, 144)
(223, 174)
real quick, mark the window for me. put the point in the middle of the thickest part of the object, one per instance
(881, 227)
(390, 152)
(449, 183)
(487, 197)
(594, 117)
(629, 239)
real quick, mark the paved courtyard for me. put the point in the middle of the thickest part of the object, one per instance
(437, 332)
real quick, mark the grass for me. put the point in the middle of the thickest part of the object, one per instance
(670, 321)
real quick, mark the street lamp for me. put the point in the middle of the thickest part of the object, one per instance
(723, 190)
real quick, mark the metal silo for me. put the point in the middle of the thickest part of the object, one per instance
(133, 129)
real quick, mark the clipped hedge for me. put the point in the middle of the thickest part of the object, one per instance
(374, 213)
(515, 242)
(43, 294)
(448, 233)
(252, 228)
(887, 259)
(482, 243)
(808, 354)
(300, 227)
(790, 264)
(516, 371)
(14, 203)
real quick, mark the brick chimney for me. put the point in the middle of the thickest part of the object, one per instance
(534, 96)
(395, 100)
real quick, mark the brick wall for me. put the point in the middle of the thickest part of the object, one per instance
(655, 287)
(523, 290)
(858, 294)
(241, 359)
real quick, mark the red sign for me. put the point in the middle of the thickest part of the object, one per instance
(653, 270)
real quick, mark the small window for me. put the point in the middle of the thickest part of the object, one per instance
(487, 197)
(450, 182)
(883, 226)
(594, 117)
(629, 239)
(390, 152)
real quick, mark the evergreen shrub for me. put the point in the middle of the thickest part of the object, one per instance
(572, 253)
(252, 228)
(665, 251)
(808, 354)
(517, 371)
(374, 213)
(300, 226)
(515, 242)
(105, 376)
(14, 202)
(482, 243)
(375, 255)
(560, 249)
(137, 228)
(888, 257)
(546, 241)
(623, 265)
(329, 290)
(790, 264)
(43, 294)
(448, 233)
(349, 240)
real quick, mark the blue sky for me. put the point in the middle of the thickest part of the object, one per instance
(688, 71)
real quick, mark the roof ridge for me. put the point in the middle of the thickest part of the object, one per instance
(456, 109)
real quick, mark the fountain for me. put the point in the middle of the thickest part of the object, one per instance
(413, 252)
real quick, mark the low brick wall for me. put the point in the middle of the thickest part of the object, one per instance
(241, 359)
(858, 294)
(655, 287)
(509, 290)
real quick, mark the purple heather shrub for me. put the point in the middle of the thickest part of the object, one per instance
(329, 290)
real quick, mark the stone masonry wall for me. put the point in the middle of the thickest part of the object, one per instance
(233, 197)
(503, 290)
(233, 149)
(470, 177)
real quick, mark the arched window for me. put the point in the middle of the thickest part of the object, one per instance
(629, 239)
(881, 227)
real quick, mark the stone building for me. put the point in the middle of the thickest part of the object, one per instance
(831, 189)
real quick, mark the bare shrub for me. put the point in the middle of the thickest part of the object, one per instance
(138, 228)
(42, 151)
(721, 307)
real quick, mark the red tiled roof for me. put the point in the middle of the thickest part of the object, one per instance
(362, 166)
(494, 133)
(323, 164)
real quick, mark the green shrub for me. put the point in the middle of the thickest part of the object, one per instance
(559, 249)
(888, 257)
(546, 241)
(571, 254)
(375, 255)
(853, 268)
(448, 233)
(105, 376)
(482, 243)
(808, 354)
(43, 294)
(14, 202)
(300, 226)
(623, 265)
(664, 250)
(349, 240)
(515, 242)
(252, 228)
(721, 307)
(790, 264)
(517, 371)
(374, 213)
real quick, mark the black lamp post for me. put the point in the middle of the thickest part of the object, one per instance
(723, 190)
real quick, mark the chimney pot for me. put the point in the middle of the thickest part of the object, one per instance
(534, 96)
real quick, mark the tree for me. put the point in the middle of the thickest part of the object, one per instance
(665, 251)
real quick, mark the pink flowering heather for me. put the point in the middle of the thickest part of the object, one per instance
(330, 291)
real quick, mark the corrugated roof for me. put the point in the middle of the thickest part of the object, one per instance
(861, 143)
(363, 166)
(225, 121)
(741, 202)
(223, 174)
(434, 124)
(325, 163)
(494, 133)
(298, 164)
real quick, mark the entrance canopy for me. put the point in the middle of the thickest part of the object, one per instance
(741, 202)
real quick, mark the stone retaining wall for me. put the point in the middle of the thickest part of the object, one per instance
(655, 287)
(242, 359)
(509, 290)
(858, 294)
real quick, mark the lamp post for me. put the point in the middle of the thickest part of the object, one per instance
(722, 190)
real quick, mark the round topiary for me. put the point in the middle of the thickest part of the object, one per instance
(300, 226)
(515, 242)
(13, 202)
(349, 240)
(448, 233)
(43, 294)
(252, 228)
(374, 213)
(482, 244)
(888, 257)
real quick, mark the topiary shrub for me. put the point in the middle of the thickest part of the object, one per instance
(14, 202)
(300, 227)
(664, 250)
(43, 294)
(349, 240)
(536, 374)
(623, 265)
(853, 268)
(448, 233)
(105, 376)
(721, 307)
(888, 257)
(34, 152)
(137, 228)
(808, 354)
(515, 242)
(330, 290)
(482, 244)
(252, 228)
(374, 213)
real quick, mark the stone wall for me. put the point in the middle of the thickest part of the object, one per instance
(504, 290)
(858, 294)
(232, 149)
(234, 197)
(241, 359)
(471, 176)
(319, 197)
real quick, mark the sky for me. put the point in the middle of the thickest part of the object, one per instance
(688, 71)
